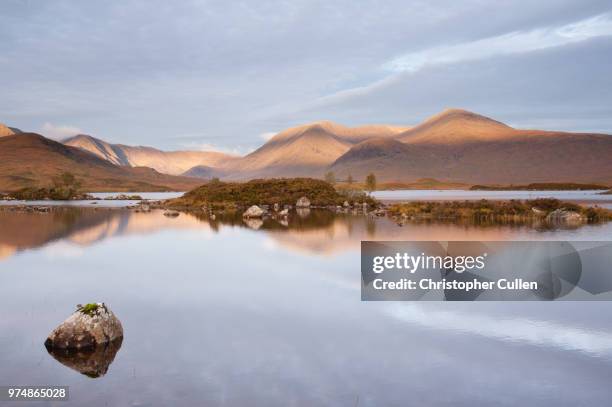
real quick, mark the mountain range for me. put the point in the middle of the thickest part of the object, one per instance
(172, 162)
(31, 160)
(453, 146)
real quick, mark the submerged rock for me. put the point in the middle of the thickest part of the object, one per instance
(253, 212)
(303, 202)
(88, 327)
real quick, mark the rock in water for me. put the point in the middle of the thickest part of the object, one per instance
(284, 212)
(303, 202)
(564, 216)
(90, 326)
(171, 214)
(253, 212)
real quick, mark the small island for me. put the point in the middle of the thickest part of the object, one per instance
(551, 210)
(280, 192)
(542, 186)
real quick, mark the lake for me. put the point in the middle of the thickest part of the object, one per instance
(591, 197)
(223, 312)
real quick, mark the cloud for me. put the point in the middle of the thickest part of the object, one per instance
(237, 150)
(59, 131)
(515, 42)
(510, 43)
(149, 76)
(268, 135)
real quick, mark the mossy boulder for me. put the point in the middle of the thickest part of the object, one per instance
(91, 325)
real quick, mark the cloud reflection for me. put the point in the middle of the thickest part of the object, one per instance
(521, 330)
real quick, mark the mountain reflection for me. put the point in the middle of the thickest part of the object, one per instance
(316, 232)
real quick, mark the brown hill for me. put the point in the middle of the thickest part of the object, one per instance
(304, 150)
(460, 146)
(167, 162)
(201, 171)
(30, 159)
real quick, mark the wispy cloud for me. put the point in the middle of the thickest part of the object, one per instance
(237, 150)
(510, 43)
(59, 131)
(267, 135)
(515, 42)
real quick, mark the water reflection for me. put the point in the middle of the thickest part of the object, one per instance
(220, 314)
(309, 231)
(92, 362)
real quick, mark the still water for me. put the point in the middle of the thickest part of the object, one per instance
(101, 199)
(594, 196)
(269, 314)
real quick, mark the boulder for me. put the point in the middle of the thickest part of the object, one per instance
(89, 326)
(171, 214)
(346, 204)
(303, 202)
(284, 212)
(253, 212)
(276, 207)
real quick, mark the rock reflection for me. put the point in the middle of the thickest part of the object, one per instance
(92, 363)
(312, 231)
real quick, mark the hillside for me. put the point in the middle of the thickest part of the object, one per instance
(31, 160)
(201, 171)
(305, 150)
(167, 162)
(460, 146)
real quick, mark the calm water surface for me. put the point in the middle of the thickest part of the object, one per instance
(100, 200)
(595, 196)
(266, 314)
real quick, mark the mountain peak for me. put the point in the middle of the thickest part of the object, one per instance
(453, 126)
(461, 114)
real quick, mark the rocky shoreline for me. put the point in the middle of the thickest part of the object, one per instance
(547, 211)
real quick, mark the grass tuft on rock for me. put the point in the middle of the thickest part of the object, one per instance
(88, 309)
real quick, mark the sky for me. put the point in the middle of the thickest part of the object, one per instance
(194, 74)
